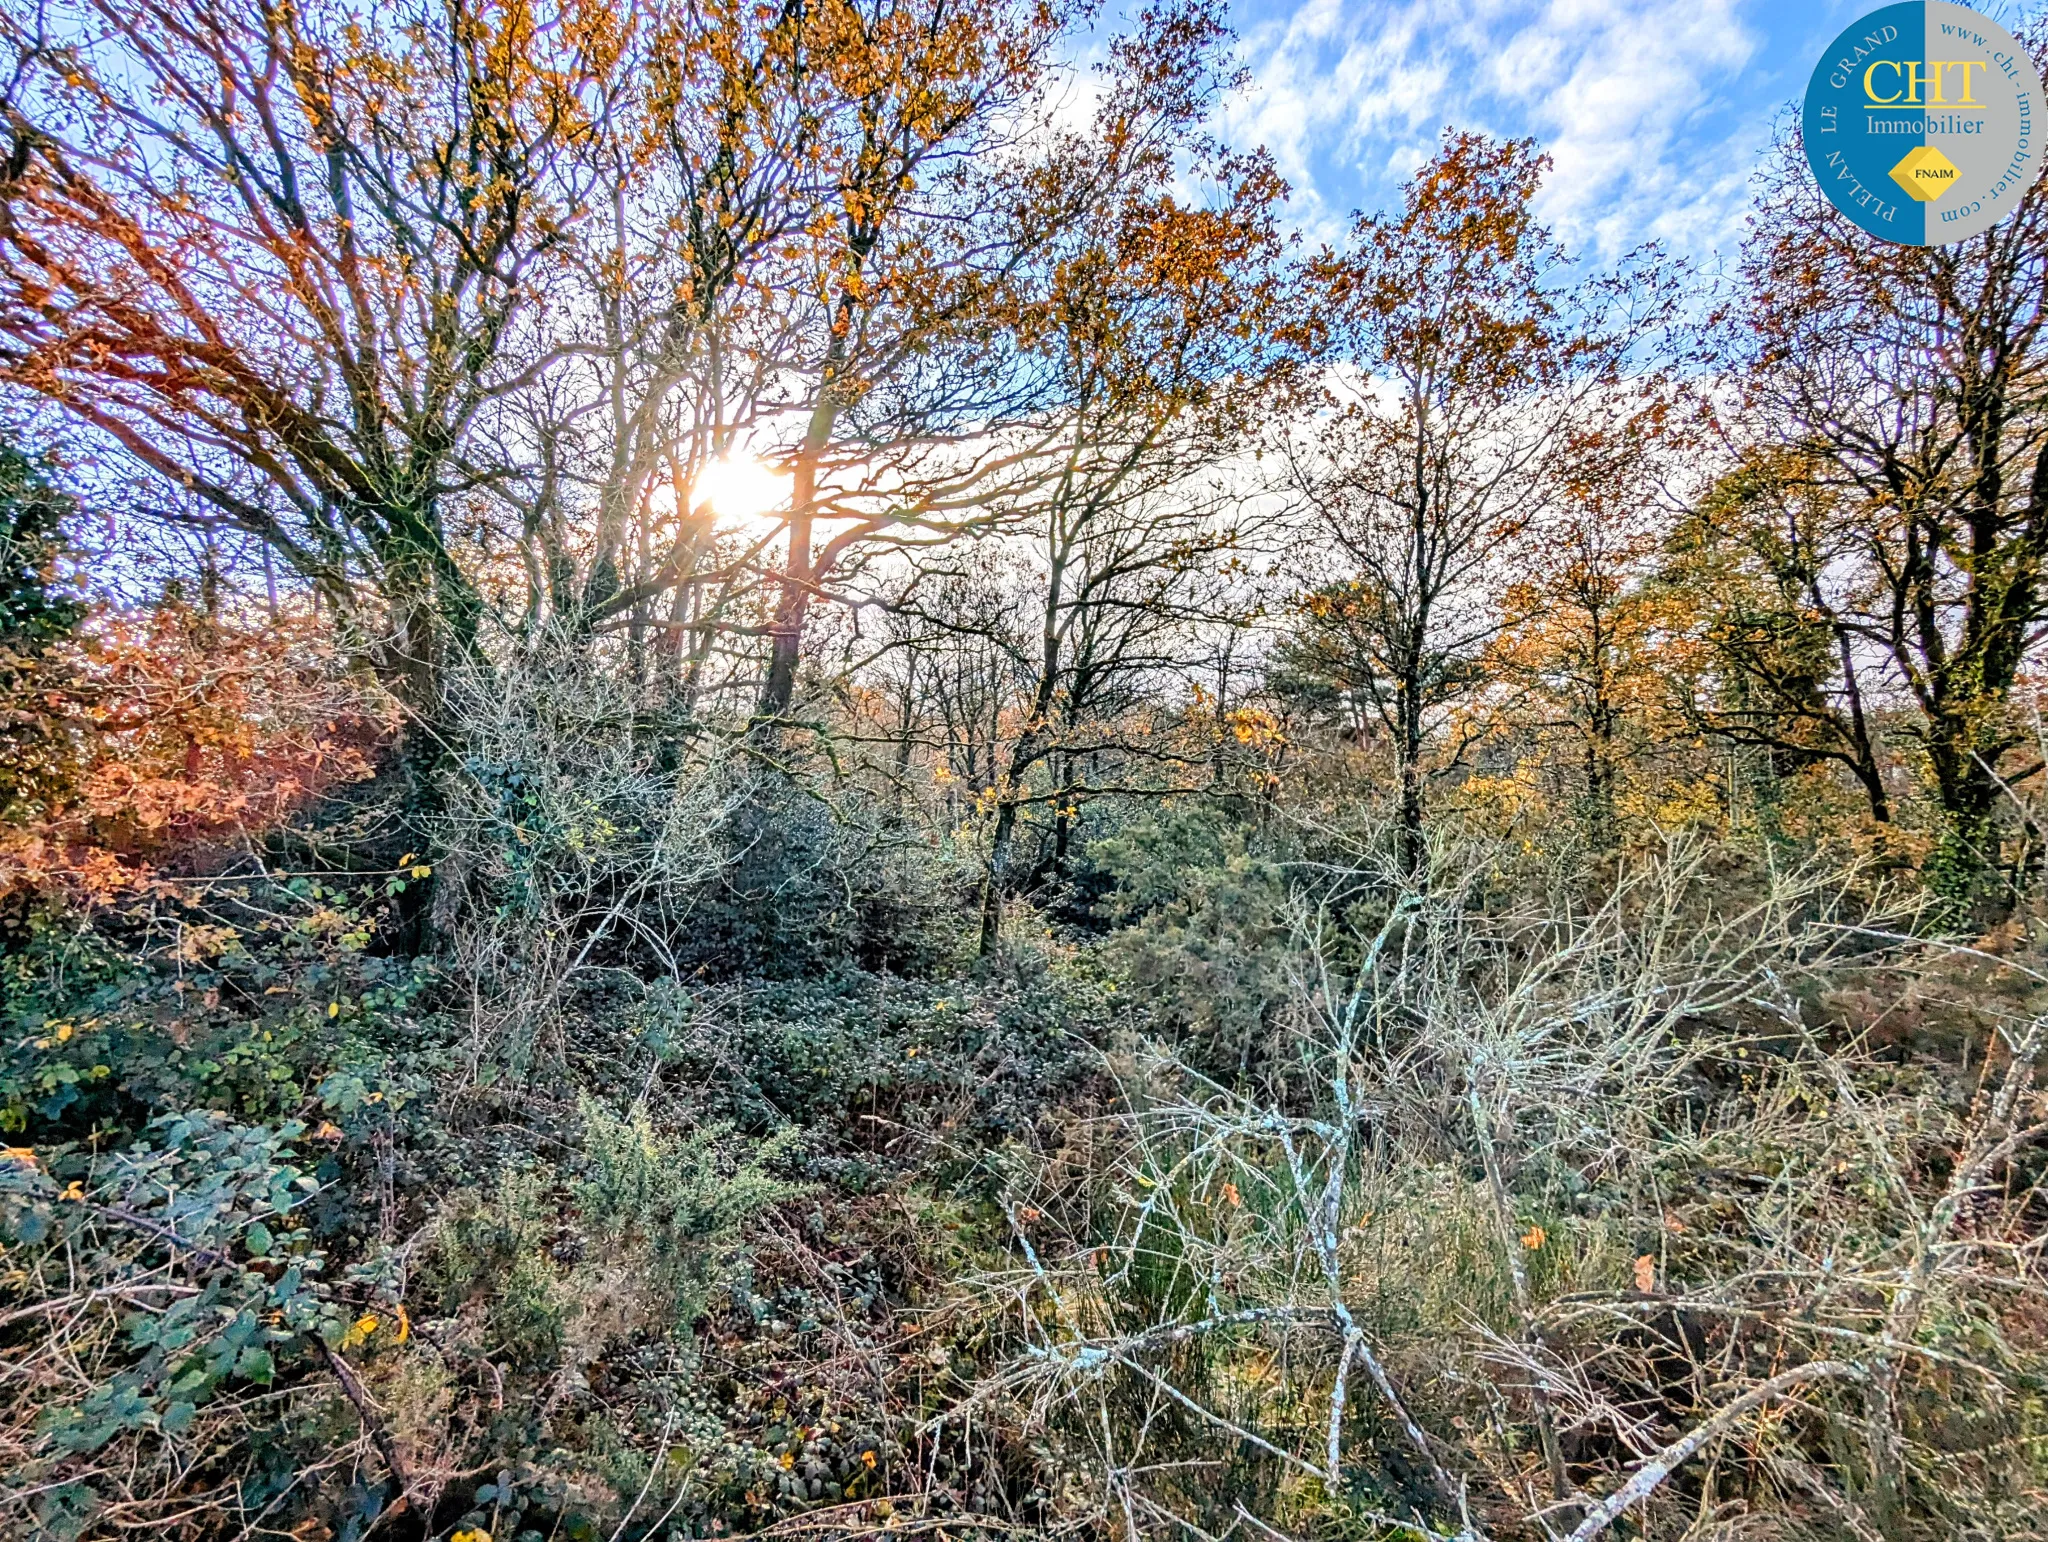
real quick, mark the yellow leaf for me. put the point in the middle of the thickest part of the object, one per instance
(75, 1191)
(788, 1460)
(472, 1534)
(25, 1155)
(334, 1009)
(404, 1326)
(359, 1331)
(1532, 1239)
(1231, 1196)
(867, 1460)
(1646, 1274)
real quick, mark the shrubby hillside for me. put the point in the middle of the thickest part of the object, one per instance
(754, 784)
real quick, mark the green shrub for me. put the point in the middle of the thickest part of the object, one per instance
(677, 1196)
(1200, 904)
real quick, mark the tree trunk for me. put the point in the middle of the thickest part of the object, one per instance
(786, 637)
(1601, 819)
(1602, 723)
(1030, 748)
(1968, 853)
(1063, 824)
(1408, 760)
(433, 627)
(1967, 730)
(1866, 766)
(997, 874)
(799, 577)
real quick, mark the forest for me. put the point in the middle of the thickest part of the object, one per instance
(767, 770)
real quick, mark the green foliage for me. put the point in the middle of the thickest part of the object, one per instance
(1003, 1079)
(540, 1251)
(676, 1196)
(226, 1205)
(1201, 907)
(34, 610)
(36, 748)
(251, 1023)
(826, 1053)
(810, 887)
(492, 1248)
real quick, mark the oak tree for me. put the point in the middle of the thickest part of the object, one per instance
(1459, 348)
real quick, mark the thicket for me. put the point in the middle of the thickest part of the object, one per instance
(1392, 893)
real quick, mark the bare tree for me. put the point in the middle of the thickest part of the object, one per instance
(1457, 354)
(1899, 396)
(1157, 321)
(928, 405)
(286, 259)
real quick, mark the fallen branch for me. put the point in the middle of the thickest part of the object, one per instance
(373, 1423)
(1652, 1473)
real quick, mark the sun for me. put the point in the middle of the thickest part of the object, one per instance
(740, 487)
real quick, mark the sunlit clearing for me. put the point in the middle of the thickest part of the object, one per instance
(739, 487)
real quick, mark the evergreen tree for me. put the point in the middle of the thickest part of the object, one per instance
(35, 612)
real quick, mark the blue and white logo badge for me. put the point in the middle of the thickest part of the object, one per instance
(1924, 123)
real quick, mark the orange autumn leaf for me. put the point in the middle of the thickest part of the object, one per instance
(196, 731)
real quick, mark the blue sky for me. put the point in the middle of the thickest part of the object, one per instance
(1654, 110)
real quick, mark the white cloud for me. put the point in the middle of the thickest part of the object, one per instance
(1628, 96)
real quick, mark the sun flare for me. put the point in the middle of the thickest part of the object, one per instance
(740, 487)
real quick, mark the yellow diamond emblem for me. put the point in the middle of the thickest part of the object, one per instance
(1925, 173)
